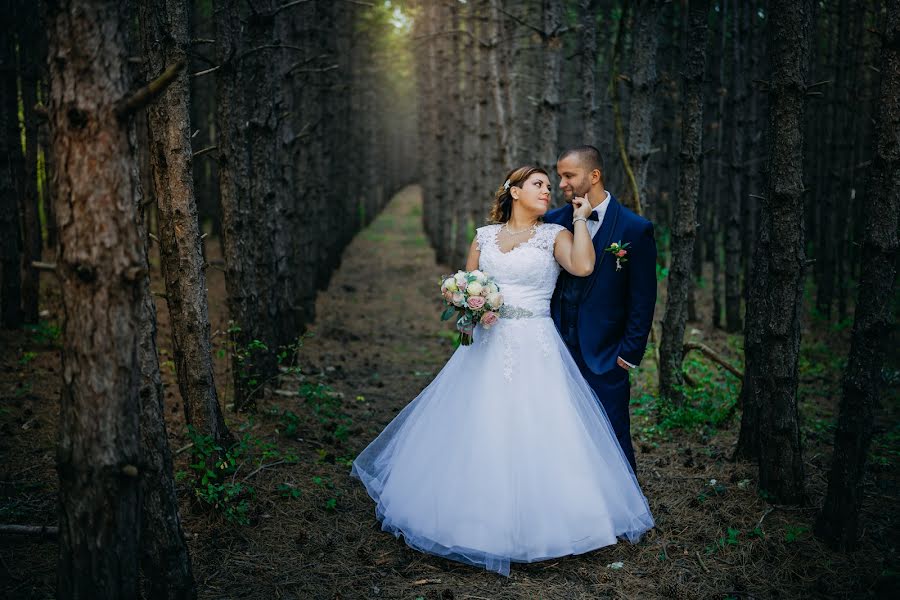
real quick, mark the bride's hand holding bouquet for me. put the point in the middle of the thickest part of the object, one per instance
(476, 297)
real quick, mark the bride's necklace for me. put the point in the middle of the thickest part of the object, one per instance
(511, 232)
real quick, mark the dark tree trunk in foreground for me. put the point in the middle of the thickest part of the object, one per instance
(838, 523)
(102, 268)
(11, 177)
(684, 230)
(164, 39)
(770, 428)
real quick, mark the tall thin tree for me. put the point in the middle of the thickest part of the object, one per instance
(684, 229)
(164, 40)
(643, 99)
(12, 166)
(770, 424)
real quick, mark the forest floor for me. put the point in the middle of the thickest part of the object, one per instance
(376, 342)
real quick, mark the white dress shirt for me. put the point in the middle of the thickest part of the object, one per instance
(600, 209)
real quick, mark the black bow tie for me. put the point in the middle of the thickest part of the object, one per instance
(593, 216)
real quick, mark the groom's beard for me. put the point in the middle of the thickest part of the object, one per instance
(576, 192)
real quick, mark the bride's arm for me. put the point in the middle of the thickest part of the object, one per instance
(575, 252)
(474, 255)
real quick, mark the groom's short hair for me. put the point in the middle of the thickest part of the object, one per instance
(587, 155)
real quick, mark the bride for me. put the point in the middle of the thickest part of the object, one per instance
(507, 456)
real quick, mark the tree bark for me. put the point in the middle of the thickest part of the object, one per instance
(643, 99)
(772, 331)
(838, 523)
(165, 560)
(164, 39)
(31, 38)
(101, 265)
(588, 81)
(732, 209)
(684, 229)
(246, 124)
(12, 168)
(500, 74)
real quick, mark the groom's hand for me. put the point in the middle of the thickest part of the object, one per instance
(581, 206)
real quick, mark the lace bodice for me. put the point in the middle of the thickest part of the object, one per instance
(526, 274)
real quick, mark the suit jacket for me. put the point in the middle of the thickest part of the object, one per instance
(615, 308)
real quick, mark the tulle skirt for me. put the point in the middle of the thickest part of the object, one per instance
(507, 456)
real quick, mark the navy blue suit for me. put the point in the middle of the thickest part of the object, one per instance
(609, 313)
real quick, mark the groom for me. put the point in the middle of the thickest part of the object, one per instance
(605, 318)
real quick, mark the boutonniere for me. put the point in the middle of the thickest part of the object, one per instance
(619, 250)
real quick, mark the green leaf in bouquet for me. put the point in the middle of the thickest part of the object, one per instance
(448, 312)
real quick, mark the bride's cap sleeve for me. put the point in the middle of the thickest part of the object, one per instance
(549, 232)
(481, 235)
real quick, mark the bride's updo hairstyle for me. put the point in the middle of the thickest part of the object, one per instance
(503, 201)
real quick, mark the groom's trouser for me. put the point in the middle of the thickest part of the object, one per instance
(614, 391)
(612, 388)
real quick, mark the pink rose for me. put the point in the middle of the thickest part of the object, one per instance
(476, 302)
(448, 295)
(621, 253)
(462, 285)
(489, 318)
(458, 298)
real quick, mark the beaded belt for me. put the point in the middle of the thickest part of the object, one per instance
(517, 312)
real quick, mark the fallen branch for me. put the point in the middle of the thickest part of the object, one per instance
(277, 462)
(713, 356)
(39, 530)
(146, 94)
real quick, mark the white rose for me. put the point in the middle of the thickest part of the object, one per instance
(450, 284)
(494, 300)
(474, 288)
(460, 278)
(492, 288)
(477, 274)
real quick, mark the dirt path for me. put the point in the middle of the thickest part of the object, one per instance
(312, 533)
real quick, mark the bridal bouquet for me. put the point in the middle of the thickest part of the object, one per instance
(475, 297)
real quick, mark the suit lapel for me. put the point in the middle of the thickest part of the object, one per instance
(602, 240)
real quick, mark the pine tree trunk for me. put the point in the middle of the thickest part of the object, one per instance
(684, 229)
(738, 97)
(718, 183)
(588, 81)
(245, 120)
(775, 305)
(31, 37)
(838, 523)
(12, 168)
(643, 98)
(102, 269)
(165, 560)
(499, 77)
(548, 106)
(164, 39)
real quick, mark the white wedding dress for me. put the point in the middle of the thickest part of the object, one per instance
(506, 456)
